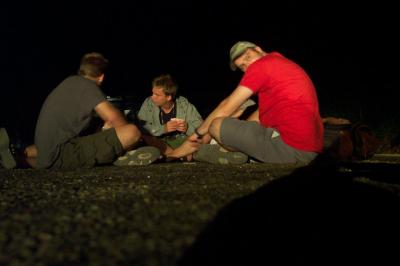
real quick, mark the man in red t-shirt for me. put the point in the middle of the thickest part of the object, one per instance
(286, 128)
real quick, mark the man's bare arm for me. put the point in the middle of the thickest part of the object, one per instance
(227, 107)
(111, 116)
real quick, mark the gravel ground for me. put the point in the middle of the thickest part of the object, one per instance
(169, 212)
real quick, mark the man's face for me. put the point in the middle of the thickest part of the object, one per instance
(247, 58)
(158, 97)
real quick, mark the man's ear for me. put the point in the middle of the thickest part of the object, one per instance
(258, 49)
(101, 78)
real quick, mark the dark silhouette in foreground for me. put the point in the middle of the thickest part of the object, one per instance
(318, 215)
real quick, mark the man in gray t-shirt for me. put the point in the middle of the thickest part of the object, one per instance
(67, 111)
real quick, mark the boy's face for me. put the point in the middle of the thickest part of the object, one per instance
(158, 97)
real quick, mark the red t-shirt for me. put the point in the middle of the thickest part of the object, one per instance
(287, 101)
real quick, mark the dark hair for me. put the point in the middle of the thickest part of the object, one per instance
(167, 83)
(92, 65)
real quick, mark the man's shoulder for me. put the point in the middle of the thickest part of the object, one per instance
(78, 82)
(182, 99)
(147, 105)
(148, 102)
(75, 79)
(276, 58)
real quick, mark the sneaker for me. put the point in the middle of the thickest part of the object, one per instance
(7, 159)
(141, 156)
(217, 155)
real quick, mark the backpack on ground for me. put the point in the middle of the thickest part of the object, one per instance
(348, 142)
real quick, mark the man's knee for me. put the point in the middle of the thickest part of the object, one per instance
(215, 127)
(128, 135)
(133, 133)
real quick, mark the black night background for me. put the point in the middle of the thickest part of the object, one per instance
(350, 50)
(326, 213)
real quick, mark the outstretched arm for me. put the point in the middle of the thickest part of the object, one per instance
(227, 107)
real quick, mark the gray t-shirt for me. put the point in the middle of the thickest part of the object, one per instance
(65, 113)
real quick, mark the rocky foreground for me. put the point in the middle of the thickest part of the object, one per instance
(201, 214)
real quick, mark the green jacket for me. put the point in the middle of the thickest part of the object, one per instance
(149, 116)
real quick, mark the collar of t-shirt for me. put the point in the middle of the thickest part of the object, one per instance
(165, 117)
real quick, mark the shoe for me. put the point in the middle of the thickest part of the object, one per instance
(7, 159)
(141, 156)
(217, 155)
